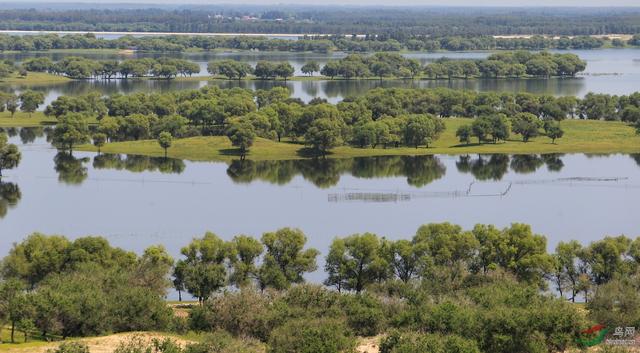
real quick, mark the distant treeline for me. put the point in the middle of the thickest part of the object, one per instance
(507, 64)
(370, 43)
(83, 68)
(395, 22)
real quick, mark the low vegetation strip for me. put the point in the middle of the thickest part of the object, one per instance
(480, 290)
(580, 137)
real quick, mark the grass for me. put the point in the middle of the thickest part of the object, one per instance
(580, 137)
(35, 340)
(34, 78)
(21, 119)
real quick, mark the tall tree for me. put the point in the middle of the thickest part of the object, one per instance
(285, 260)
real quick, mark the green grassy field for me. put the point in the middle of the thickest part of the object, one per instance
(21, 119)
(33, 79)
(580, 137)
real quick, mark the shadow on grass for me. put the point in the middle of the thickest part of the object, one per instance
(308, 152)
(231, 152)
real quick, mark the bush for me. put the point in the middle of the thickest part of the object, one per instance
(364, 314)
(397, 342)
(70, 347)
(615, 304)
(311, 336)
(243, 313)
(223, 342)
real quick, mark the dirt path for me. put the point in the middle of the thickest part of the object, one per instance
(369, 345)
(104, 344)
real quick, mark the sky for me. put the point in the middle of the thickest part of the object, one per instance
(577, 3)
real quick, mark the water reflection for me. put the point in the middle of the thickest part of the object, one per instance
(323, 173)
(484, 167)
(137, 164)
(71, 170)
(9, 196)
(495, 166)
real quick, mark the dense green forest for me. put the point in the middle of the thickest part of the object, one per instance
(481, 290)
(370, 43)
(396, 22)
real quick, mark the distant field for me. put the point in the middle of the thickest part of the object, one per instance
(580, 137)
(34, 78)
(21, 119)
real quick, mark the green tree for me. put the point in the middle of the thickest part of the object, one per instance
(285, 260)
(310, 67)
(355, 262)
(71, 129)
(324, 134)
(244, 252)
(463, 133)
(99, 140)
(30, 101)
(284, 70)
(422, 130)
(204, 266)
(526, 125)
(241, 135)
(165, 140)
(553, 130)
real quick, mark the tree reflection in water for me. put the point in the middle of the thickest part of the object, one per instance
(324, 173)
(137, 164)
(71, 170)
(10, 195)
(495, 166)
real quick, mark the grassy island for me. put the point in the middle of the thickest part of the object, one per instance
(580, 137)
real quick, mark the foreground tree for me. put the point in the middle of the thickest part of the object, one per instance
(285, 260)
(355, 262)
(204, 267)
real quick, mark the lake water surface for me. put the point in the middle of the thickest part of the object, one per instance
(138, 201)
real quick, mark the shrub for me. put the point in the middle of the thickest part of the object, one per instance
(311, 336)
(411, 342)
(223, 342)
(364, 314)
(70, 347)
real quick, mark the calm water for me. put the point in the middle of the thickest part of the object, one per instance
(614, 71)
(138, 201)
